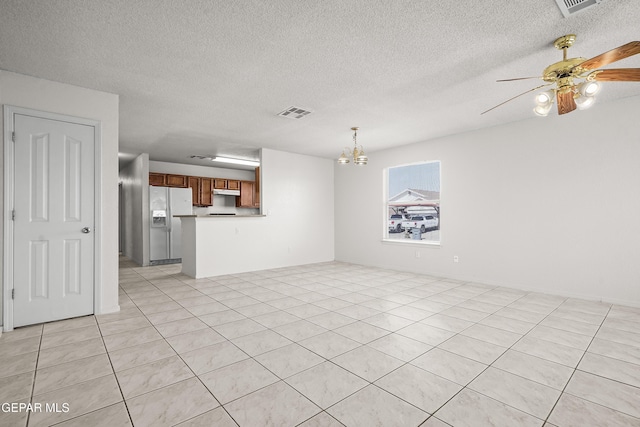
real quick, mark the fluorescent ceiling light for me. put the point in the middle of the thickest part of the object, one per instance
(236, 161)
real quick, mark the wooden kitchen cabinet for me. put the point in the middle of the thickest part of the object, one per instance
(180, 181)
(159, 179)
(233, 184)
(219, 184)
(193, 183)
(168, 180)
(256, 190)
(201, 190)
(226, 184)
(246, 198)
(206, 191)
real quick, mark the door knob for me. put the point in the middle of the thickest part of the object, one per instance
(86, 230)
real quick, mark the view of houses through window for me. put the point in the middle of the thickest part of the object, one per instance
(413, 203)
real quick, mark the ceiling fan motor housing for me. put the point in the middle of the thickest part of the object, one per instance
(562, 69)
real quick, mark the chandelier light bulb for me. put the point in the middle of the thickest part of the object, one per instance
(343, 159)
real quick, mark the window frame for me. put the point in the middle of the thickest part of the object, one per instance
(385, 208)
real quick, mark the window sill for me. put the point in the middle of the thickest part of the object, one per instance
(429, 243)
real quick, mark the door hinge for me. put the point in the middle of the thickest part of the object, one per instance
(13, 215)
(13, 293)
(13, 136)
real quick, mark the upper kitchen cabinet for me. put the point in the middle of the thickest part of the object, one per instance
(201, 190)
(159, 179)
(219, 184)
(194, 184)
(248, 198)
(177, 181)
(168, 180)
(226, 184)
(256, 190)
(206, 191)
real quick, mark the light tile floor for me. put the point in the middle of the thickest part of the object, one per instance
(326, 345)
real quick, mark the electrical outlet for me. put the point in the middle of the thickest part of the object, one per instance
(417, 254)
(455, 258)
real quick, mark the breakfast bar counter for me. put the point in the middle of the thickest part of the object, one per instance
(215, 245)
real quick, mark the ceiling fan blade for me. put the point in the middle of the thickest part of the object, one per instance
(517, 96)
(519, 78)
(566, 103)
(624, 51)
(619, 75)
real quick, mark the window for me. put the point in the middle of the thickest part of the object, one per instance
(412, 210)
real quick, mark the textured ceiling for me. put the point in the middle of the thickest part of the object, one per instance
(210, 77)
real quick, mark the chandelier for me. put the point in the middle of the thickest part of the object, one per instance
(357, 153)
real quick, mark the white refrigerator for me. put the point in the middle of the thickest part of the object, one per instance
(165, 236)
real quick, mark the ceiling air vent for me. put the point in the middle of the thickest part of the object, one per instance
(570, 7)
(294, 113)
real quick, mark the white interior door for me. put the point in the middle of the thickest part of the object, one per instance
(54, 220)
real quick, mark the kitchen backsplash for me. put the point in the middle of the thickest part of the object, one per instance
(224, 204)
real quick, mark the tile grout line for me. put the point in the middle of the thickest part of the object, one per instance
(35, 372)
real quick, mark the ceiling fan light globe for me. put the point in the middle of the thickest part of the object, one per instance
(589, 88)
(545, 98)
(542, 110)
(541, 99)
(585, 102)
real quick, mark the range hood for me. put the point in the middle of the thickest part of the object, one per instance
(226, 192)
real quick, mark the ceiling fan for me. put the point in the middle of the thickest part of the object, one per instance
(576, 80)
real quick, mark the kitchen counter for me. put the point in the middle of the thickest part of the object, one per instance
(220, 216)
(214, 248)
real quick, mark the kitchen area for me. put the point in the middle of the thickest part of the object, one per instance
(289, 189)
(174, 195)
(149, 211)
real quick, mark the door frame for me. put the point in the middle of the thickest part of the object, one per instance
(9, 193)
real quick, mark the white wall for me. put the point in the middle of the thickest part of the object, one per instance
(221, 204)
(297, 198)
(135, 225)
(29, 92)
(547, 204)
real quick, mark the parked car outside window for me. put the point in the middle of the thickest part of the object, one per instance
(424, 223)
(395, 223)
